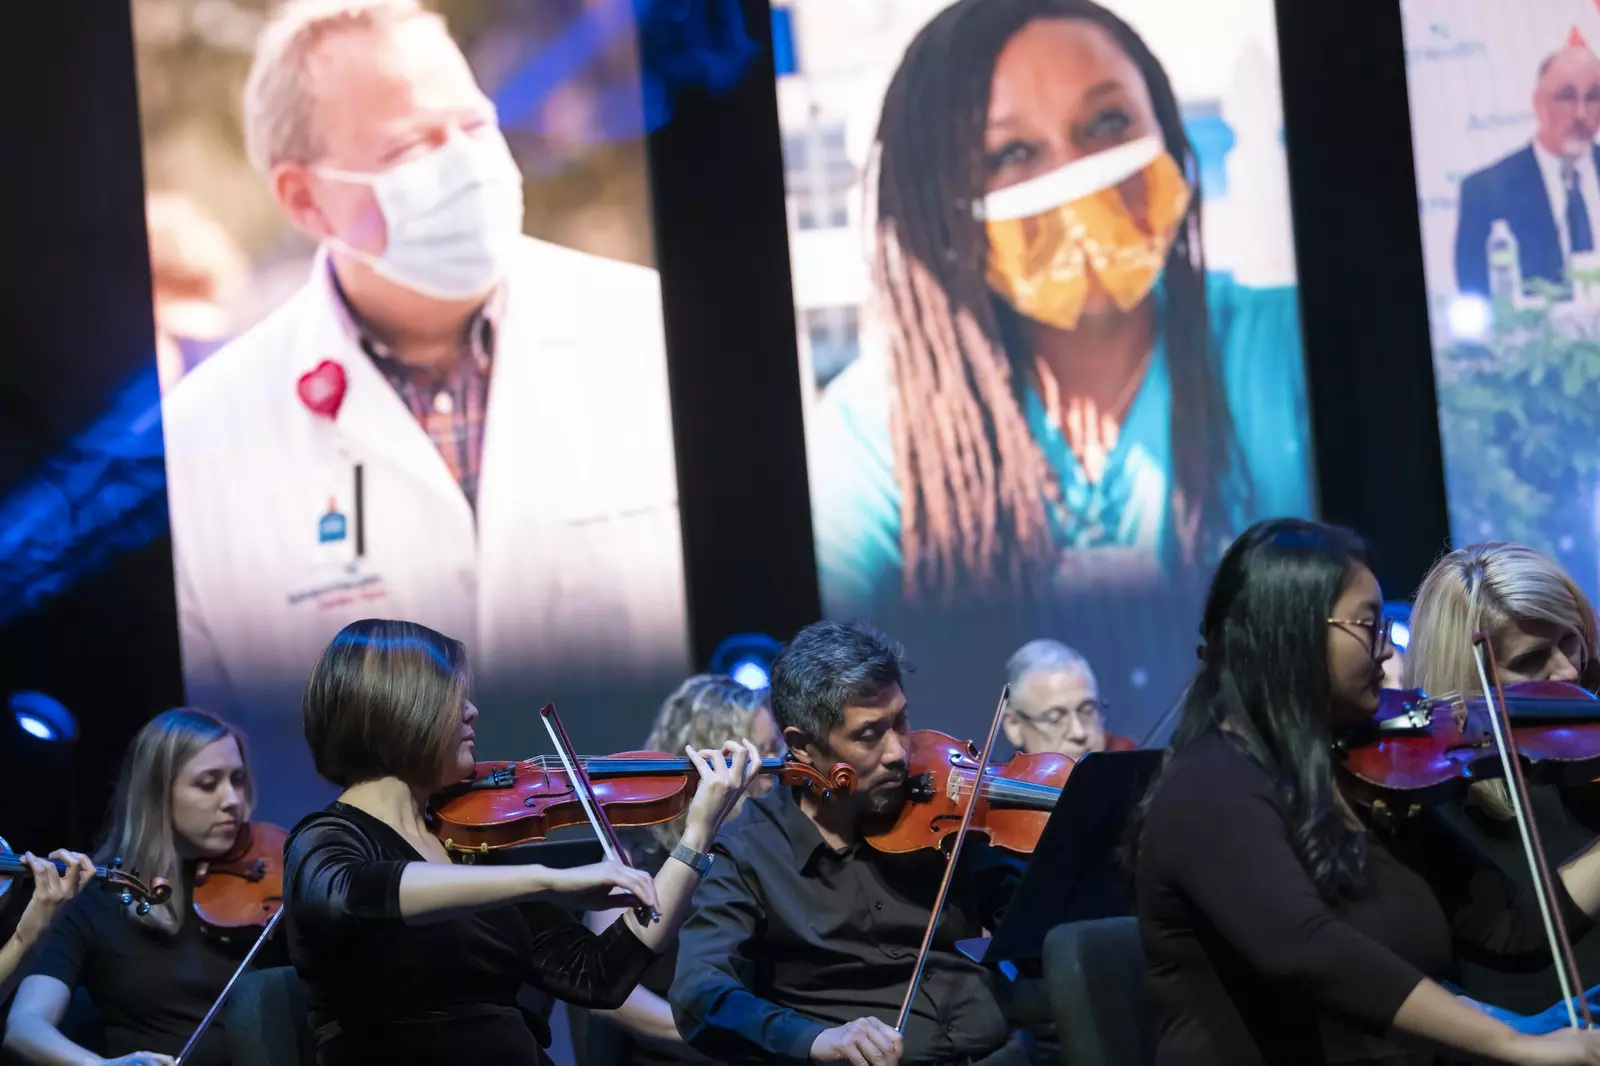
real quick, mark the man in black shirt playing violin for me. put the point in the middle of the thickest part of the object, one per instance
(804, 938)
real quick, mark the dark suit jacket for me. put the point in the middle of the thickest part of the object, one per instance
(1512, 189)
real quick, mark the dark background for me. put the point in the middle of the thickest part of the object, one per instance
(77, 324)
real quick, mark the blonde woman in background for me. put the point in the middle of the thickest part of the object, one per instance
(184, 793)
(704, 710)
(1542, 628)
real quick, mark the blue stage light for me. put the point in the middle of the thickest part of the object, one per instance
(747, 658)
(43, 717)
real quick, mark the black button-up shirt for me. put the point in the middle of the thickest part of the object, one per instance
(790, 937)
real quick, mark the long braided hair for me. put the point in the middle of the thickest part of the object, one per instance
(974, 484)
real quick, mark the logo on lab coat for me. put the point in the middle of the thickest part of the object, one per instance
(332, 526)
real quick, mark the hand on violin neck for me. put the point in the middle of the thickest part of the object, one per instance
(725, 773)
(51, 889)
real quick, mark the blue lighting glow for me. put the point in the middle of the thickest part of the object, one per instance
(747, 658)
(750, 674)
(42, 716)
(1401, 636)
(35, 726)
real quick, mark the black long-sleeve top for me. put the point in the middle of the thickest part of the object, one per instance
(1246, 962)
(790, 937)
(1465, 853)
(385, 991)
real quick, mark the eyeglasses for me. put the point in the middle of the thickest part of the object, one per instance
(1380, 631)
(1056, 715)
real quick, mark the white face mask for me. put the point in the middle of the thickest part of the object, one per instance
(454, 216)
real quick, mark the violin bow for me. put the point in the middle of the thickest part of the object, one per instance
(950, 863)
(1544, 887)
(579, 776)
(211, 1015)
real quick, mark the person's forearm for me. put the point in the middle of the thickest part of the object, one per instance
(1434, 1014)
(645, 1014)
(11, 956)
(675, 886)
(1581, 876)
(36, 1041)
(435, 892)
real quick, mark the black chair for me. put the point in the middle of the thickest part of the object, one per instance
(266, 1020)
(1094, 976)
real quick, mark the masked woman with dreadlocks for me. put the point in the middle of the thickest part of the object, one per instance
(1065, 394)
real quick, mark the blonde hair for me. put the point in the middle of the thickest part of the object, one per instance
(278, 120)
(1488, 588)
(705, 710)
(141, 832)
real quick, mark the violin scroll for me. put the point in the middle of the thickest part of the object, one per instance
(135, 891)
(839, 781)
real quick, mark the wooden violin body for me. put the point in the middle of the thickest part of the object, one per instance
(1016, 803)
(505, 804)
(244, 888)
(1421, 748)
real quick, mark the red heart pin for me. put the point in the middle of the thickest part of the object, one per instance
(322, 389)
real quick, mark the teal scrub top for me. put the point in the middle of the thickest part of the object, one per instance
(856, 499)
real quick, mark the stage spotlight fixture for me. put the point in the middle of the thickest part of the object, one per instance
(1401, 634)
(43, 717)
(747, 658)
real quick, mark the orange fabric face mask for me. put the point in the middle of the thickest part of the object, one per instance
(1050, 234)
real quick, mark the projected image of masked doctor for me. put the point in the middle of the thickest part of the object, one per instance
(450, 422)
(1066, 395)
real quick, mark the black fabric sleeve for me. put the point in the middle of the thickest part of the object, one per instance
(1219, 830)
(67, 947)
(581, 967)
(1492, 915)
(995, 876)
(334, 879)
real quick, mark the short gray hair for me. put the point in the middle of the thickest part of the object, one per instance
(278, 124)
(1044, 654)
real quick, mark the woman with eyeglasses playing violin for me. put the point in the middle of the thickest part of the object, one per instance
(1276, 927)
(1541, 628)
(183, 796)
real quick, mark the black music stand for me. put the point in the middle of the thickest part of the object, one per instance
(1074, 874)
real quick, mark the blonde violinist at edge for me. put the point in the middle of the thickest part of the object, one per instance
(1542, 628)
(410, 957)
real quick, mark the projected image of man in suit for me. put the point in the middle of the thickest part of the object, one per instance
(1547, 194)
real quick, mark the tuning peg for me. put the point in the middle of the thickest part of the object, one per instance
(143, 908)
(126, 897)
(116, 863)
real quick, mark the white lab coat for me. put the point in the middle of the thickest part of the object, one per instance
(571, 568)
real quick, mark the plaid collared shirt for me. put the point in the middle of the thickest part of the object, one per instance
(451, 409)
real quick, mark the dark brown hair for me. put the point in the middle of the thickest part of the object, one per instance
(975, 489)
(385, 700)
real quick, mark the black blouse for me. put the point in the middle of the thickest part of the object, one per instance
(150, 988)
(385, 990)
(1246, 962)
(1515, 970)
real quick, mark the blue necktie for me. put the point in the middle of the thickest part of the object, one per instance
(1578, 231)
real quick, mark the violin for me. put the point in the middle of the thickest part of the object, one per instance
(244, 888)
(1016, 802)
(240, 890)
(1420, 748)
(504, 804)
(111, 878)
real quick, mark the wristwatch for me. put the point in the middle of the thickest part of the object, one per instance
(700, 864)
